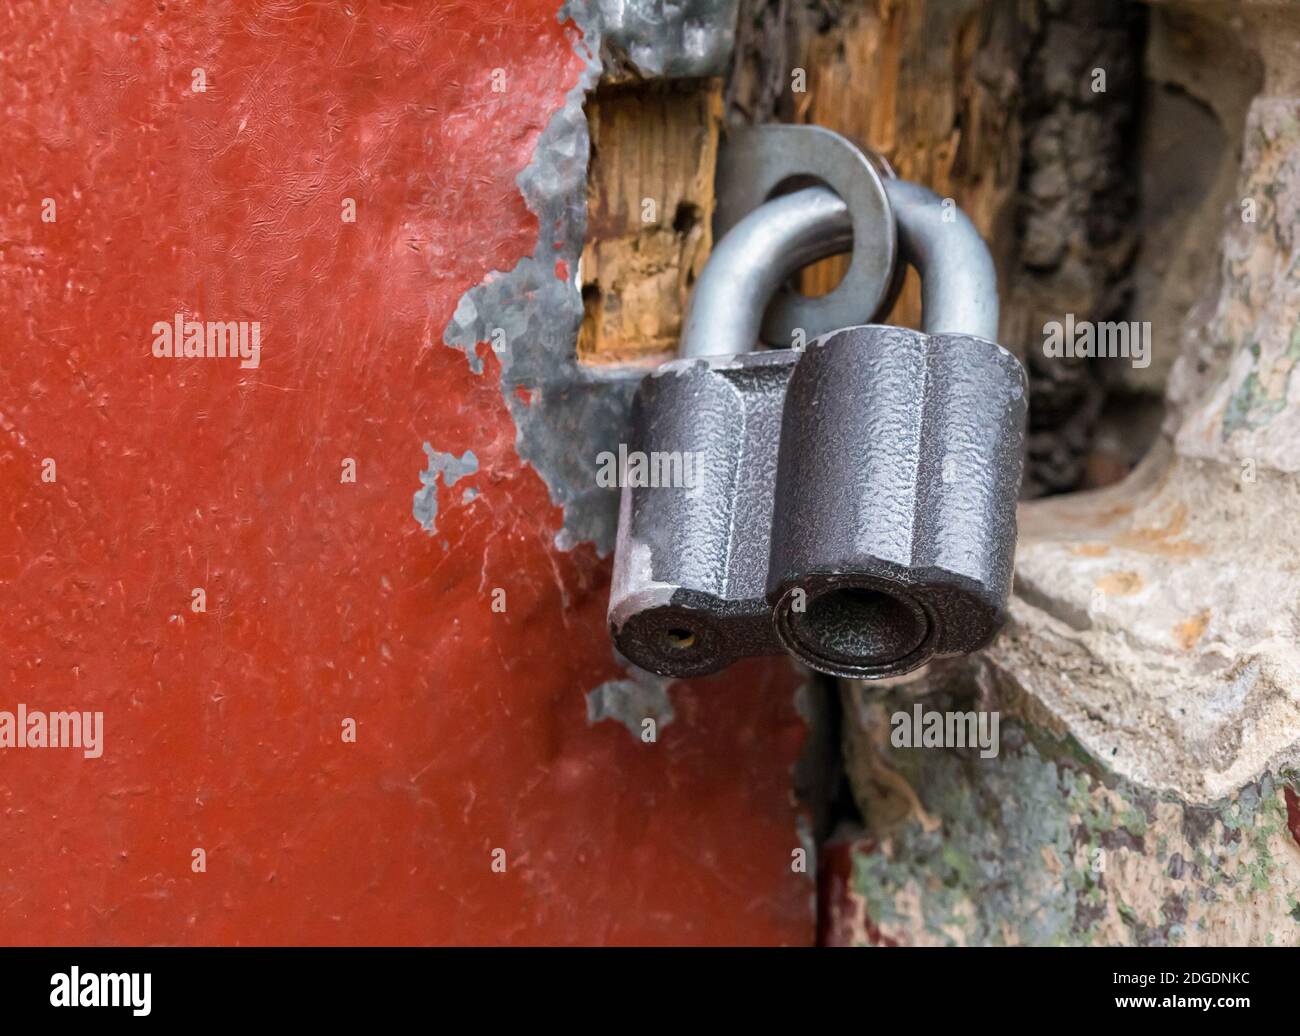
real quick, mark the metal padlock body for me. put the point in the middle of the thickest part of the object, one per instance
(688, 593)
(856, 505)
(894, 522)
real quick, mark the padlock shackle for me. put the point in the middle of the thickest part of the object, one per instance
(753, 259)
(959, 285)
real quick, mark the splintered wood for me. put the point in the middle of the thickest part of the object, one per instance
(930, 87)
(654, 146)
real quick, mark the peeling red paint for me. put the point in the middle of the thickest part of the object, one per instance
(1292, 813)
(325, 599)
(842, 918)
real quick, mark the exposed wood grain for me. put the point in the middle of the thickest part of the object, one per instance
(654, 147)
(931, 86)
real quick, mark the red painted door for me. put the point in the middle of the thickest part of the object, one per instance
(183, 551)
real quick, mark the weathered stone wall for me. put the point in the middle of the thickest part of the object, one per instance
(1148, 683)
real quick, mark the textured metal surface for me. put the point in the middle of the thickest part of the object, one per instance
(757, 161)
(670, 38)
(895, 508)
(695, 559)
(875, 474)
(857, 500)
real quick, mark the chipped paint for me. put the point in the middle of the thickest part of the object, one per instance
(329, 611)
(565, 414)
(452, 469)
(631, 702)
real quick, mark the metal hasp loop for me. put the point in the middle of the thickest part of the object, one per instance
(764, 242)
(854, 500)
(757, 165)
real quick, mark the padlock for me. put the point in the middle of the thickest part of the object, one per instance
(853, 501)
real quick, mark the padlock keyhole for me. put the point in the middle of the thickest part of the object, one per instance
(679, 638)
(859, 626)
